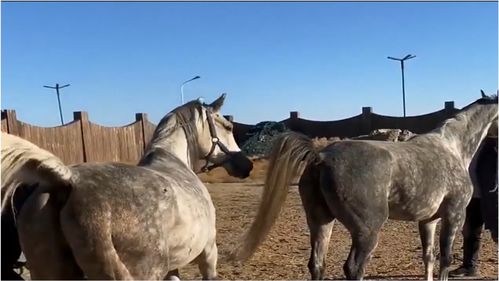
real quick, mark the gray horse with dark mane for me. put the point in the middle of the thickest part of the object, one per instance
(120, 221)
(363, 183)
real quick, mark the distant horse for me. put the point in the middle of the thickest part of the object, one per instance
(363, 183)
(119, 221)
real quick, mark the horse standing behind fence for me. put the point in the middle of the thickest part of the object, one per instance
(118, 221)
(363, 183)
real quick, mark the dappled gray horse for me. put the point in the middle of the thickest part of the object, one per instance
(119, 221)
(363, 183)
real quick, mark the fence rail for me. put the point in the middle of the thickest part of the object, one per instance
(83, 141)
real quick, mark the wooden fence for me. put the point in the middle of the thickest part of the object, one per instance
(361, 124)
(83, 141)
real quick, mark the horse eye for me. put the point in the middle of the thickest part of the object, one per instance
(228, 127)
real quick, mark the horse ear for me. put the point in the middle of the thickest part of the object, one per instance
(483, 94)
(217, 104)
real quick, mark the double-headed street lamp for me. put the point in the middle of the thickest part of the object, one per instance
(182, 87)
(57, 87)
(408, 57)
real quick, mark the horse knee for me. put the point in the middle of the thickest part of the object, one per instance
(428, 257)
(445, 261)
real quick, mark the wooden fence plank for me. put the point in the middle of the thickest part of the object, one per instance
(63, 141)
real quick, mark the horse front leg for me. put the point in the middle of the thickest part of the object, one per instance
(450, 226)
(207, 262)
(427, 235)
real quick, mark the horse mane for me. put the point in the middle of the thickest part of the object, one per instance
(459, 116)
(183, 117)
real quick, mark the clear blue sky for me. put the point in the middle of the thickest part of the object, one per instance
(325, 60)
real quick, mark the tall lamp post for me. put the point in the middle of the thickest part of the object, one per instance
(57, 87)
(182, 87)
(408, 57)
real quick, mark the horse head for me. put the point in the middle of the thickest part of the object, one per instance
(217, 145)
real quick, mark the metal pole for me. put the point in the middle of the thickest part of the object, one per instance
(408, 57)
(57, 87)
(59, 101)
(403, 85)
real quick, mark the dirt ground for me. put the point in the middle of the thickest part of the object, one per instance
(284, 255)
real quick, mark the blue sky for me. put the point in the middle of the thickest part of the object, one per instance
(325, 60)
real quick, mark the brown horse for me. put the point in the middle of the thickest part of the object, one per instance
(363, 183)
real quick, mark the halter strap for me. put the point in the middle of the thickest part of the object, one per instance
(214, 142)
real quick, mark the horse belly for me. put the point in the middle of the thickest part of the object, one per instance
(186, 243)
(414, 209)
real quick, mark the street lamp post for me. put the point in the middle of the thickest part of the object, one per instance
(408, 57)
(57, 87)
(182, 87)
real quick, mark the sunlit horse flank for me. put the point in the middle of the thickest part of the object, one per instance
(363, 183)
(119, 221)
(19, 156)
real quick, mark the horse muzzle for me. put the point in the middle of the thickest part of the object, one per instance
(238, 165)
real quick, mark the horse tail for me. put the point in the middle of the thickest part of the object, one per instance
(289, 151)
(25, 163)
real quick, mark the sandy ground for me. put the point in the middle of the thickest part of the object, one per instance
(284, 255)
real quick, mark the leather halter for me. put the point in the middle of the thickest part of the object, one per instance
(214, 142)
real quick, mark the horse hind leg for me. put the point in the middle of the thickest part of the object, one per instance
(320, 222)
(11, 249)
(47, 254)
(172, 275)
(207, 262)
(320, 234)
(427, 235)
(91, 243)
(363, 244)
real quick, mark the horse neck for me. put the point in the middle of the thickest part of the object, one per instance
(175, 144)
(466, 131)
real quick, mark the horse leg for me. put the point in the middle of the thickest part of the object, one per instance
(11, 249)
(207, 261)
(172, 275)
(427, 235)
(91, 243)
(363, 244)
(451, 223)
(320, 223)
(47, 254)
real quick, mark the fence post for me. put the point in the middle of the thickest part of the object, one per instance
(142, 118)
(82, 116)
(293, 120)
(12, 123)
(5, 127)
(449, 108)
(366, 120)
